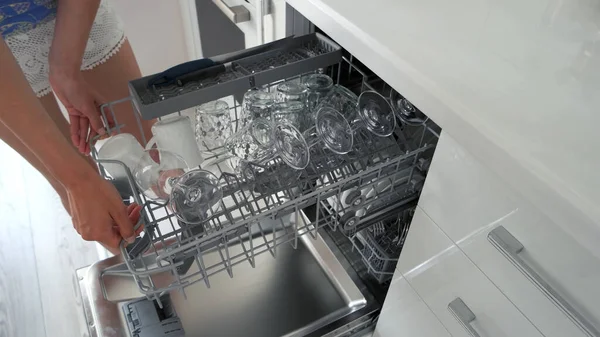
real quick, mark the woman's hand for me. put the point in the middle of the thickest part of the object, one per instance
(82, 103)
(94, 203)
(98, 212)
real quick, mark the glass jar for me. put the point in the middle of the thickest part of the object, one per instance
(213, 125)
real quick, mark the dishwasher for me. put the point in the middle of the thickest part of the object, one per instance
(311, 256)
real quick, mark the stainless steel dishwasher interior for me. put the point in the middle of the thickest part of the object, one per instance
(297, 292)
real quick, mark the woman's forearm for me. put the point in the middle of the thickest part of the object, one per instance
(23, 114)
(74, 19)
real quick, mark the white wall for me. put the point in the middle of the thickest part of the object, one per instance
(156, 31)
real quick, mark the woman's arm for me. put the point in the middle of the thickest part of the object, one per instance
(74, 19)
(95, 205)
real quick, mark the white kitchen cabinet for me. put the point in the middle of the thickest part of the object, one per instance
(460, 195)
(278, 16)
(553, 257)
(425, 242)
(439, 273)
(521, 291)
(453, 277)
(468, 202)
(404, 313)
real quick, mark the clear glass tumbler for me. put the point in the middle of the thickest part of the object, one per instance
(257, 104)
(341, 99)
(291, 91)
(213, 125)
(294, 112)
(251, 140)
(317, 87)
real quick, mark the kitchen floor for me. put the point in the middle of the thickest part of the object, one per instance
(39, 252)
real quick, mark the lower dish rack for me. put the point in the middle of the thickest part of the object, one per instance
(379, 245)
(348, 191)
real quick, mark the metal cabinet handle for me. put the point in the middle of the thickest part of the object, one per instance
(463, 315)
(510, 247)
(236, 14)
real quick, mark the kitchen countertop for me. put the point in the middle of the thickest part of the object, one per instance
(517, 83)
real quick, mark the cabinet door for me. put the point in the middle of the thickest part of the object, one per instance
(278, 16)
(468, 202)
(524, 293)
(405, 314)
(457, 292)
(460, 195)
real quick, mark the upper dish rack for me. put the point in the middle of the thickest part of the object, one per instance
(304, 54)
(348, 192)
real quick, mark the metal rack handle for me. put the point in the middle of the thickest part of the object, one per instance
(463, 315)
(510, 247)
(236, 14)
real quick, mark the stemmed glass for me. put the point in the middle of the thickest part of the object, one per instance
(376, 113)
(370, 110)
(407, 112)
(161, 175)
(263, 140)
(332, 130)
(263, 143)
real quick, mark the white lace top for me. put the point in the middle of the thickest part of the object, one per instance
(31, 48)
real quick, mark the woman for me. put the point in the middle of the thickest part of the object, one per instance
(76, 49)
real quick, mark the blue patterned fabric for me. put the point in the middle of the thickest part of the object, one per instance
(17, 16)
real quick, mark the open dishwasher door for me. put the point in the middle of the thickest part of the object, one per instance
(294, 293)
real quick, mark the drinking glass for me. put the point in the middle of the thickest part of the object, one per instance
(162, 177)
(332, 130)
(194, 194)
(262, 142)
(370, 111)
(257, 104)
(376, 113)
(278, 164)
(213, 124)
(124, 148)
(293, 112)
(291, 91)
(154, 171)
(341, 99)
(407, 112)
(290, 146)
(246, 143)
(317, 87)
